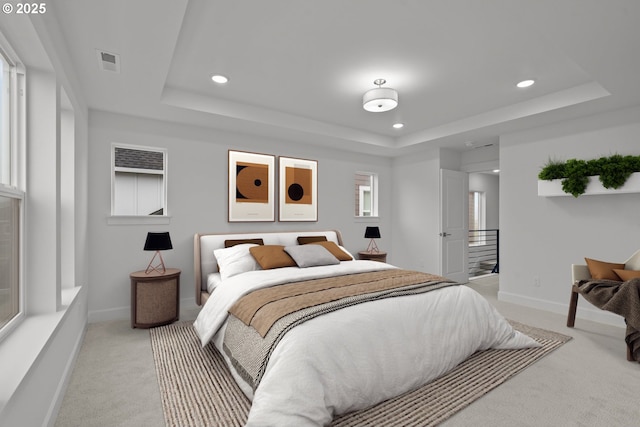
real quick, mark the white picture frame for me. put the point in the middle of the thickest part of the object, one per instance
(298, 189)
(251, 199)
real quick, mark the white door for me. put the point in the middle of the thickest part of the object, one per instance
(454, 225)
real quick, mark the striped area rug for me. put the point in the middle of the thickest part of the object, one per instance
(197, 389)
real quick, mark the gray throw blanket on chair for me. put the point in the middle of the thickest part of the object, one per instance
(622, 298)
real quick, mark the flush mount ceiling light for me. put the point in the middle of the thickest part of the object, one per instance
(525, 83)
(380, 99)
(219, 78)
(398, 125)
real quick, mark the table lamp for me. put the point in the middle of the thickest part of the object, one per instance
(372, 233)
(157, 242)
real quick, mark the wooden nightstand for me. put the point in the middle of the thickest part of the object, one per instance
(373, 256)
(155, 298)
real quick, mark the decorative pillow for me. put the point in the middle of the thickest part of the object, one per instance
(349, 254)
(272, 256)
(235, 260)
(311, 255)
(303, 240)
(633, 263)
(603, 270)
(335, 250)
(627, 274)
(233, 242)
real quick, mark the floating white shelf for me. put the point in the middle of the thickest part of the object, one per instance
(554, 188)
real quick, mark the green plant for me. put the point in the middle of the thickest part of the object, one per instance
(613, 172)
(553, 169)
(577, 177)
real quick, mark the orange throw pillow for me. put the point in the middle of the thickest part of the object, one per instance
(627, 274)
(272, 256)
(603, 270)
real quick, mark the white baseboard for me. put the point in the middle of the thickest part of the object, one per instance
(121, 313)
(109, 314)
(586, 313)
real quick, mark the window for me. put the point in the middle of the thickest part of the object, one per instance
(139, 181)
(366, 194)
(11, 191)
(477, 233)
(9, 250)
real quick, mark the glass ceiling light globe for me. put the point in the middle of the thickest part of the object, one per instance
(380, 99)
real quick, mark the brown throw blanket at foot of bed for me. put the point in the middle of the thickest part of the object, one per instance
(622, 298)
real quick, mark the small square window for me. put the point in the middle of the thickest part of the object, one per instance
(139, 186)
(366, 194)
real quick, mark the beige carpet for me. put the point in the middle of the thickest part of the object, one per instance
(197, 389)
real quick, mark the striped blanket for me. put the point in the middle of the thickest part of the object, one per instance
(259, 320)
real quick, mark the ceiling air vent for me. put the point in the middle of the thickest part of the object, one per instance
(108, 61)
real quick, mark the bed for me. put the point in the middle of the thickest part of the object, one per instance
(313, 361)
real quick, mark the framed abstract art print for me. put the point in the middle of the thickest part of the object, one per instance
(251, 187)
(298, 196)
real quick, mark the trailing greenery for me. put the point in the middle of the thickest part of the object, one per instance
(613, 172)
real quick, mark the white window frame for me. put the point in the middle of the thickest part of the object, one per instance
(139, 219)
(16, 187)
(373, 190)
(362, 209)
(480, 210)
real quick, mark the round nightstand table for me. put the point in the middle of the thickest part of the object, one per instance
(373, 256)
(155, 298)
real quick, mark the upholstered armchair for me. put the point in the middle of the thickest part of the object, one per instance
(582, 272)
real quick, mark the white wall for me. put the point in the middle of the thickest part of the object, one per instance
(197, 200)
(541, 237)
(416, 195)
(38, 355)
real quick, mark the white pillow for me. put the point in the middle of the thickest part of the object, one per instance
(235, 260)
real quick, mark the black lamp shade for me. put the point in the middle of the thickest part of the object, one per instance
(372, 233)
(158, 242)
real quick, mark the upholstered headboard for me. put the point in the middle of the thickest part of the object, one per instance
(205, 243)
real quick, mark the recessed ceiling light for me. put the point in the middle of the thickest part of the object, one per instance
(219, 78)
(496, 170)
(525, 83)
(398, 125)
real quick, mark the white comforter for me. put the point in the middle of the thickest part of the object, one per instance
(353, 358)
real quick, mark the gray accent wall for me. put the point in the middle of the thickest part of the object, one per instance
(197, 200)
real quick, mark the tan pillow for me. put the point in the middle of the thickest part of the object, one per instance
(230, 243)
(627, 274)
(603, 270)
(272, 256)
(335, 250)
(303, 240)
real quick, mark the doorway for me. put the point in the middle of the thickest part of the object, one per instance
(484, 223)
